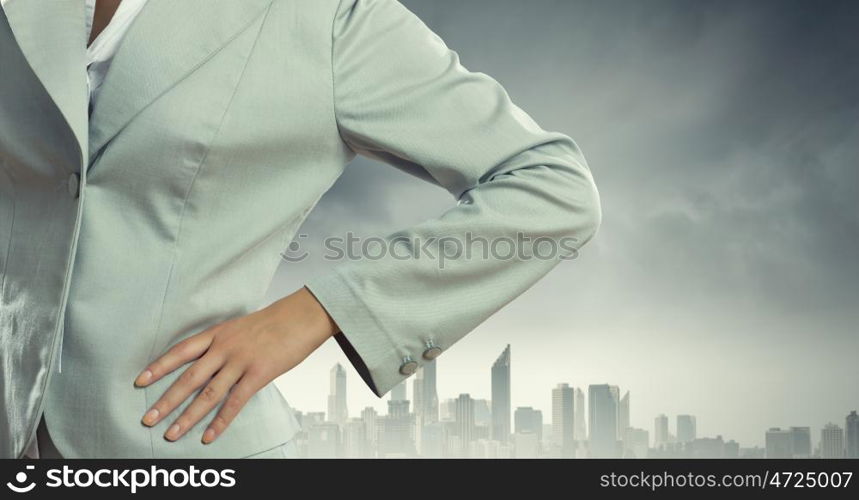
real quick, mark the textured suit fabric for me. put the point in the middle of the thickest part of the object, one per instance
(219, 126)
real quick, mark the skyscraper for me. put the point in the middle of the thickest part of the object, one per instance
(398, 392)
(501, 397)
(371, 427)
(579, 421)
(623, 415)
(801, 438)
(831, 441)
(337, 411)
(779, 443)
(660, 431)
(603, 411)
(464, 422)
(396, 436)
(851, 426)
(526, 419)
(686, 428)
(425, 393)
(563, 420)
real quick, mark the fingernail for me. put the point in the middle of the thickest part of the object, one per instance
(150, 416)
(143, 377)
(172, 432)
(208, 436)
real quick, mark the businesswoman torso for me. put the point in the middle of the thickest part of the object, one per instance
(144, 235)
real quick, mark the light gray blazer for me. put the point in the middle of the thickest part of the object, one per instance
(219, 126)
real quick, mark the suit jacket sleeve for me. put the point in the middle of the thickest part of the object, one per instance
(403, 97)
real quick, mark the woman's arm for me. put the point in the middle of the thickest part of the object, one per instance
(402, 97)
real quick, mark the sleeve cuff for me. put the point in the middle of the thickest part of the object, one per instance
(364, 341)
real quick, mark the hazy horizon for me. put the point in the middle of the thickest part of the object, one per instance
(723, 283)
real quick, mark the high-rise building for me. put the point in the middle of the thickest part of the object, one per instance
(660, 431)
(801, 440)
(337, 411)
(686, 428)
(447, 410)
(355, 444)
(464, 422)
(779, 443)
(563, 420)
(636, 442)
(623, 415)
(831, 441)
(527, 419)
(500, 429)
(425, 393)
(851, 426)
(396, 436)
(371, 426)
(603, 404)
(482, 415)
(398, 392)
(579, 421)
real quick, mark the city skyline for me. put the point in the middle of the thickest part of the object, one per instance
(463, 426)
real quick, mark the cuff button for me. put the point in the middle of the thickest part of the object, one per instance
(409, 366)
(432, 351)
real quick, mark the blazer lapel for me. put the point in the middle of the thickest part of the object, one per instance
(166, 41)
(51, 37)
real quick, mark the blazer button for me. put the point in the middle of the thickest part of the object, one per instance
(409, 366)
(432, 351)
(74, 185)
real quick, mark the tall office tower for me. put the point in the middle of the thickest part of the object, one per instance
(355, 444)
(447, 410)
(660, 430)
(579, 421)
(831, 441)
(636, 443)
(337, 411)
(396, 436)
(563, 420)
(779, 443)
(425, 394)
(801, 440)
(686, 428)
(500, 429)
(464, 422)
(851, 427)
(623, 415)
(482, 415)
(603, 405)
(398, 392)
(527, 419)
(370, 418)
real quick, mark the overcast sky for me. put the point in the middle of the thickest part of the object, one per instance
(724, 139)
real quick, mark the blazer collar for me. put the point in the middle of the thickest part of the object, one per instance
(51, 37)
(167, 41)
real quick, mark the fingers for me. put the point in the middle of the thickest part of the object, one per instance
(238, 397)
(189, 381)
(206, 400)
(191, 348)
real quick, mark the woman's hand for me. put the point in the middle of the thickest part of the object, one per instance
(236, 359)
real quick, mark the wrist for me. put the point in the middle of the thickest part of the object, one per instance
(303, 311)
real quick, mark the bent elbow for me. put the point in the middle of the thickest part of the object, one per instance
(593, 212)
(583, 213)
